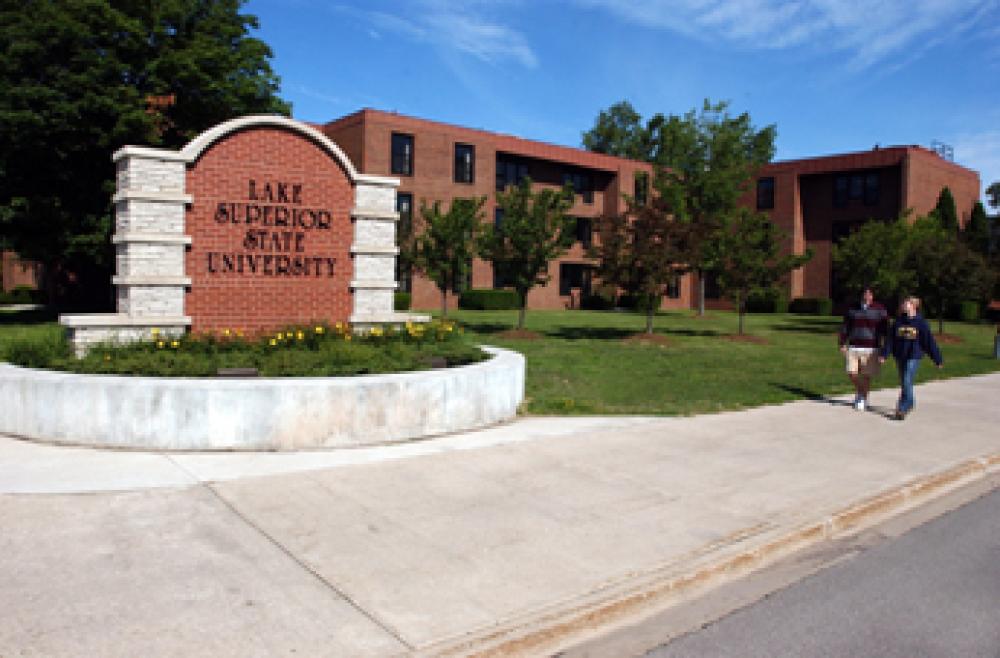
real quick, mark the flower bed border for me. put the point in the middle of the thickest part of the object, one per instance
(287, 413)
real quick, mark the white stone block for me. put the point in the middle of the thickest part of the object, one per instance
(375, 267)
(375, 198)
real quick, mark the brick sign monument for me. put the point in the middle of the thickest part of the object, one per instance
(257, 224)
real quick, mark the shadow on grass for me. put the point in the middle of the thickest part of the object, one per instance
(487, 327)
(38, 316)
(826, 330)
(693, 332)
(592, 333)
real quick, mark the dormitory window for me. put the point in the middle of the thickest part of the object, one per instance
(674, 288)
(857, 187)
(584, 231)
(641, 188)
(840, 184)
(510, 171)
(765, 193)
(581, 185)
(574, 275)
(404, 206)
(402, 154)
(871, 189)
(465, 163)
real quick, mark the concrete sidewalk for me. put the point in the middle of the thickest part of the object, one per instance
(512, 540)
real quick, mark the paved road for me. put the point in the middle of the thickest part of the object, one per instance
(933, 592)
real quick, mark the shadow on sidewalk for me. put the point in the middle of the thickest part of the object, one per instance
(820, 397)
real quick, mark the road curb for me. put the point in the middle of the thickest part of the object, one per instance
(564, 623)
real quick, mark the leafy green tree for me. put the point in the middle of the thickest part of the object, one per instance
(977, 232)
(706, 162)
(876, 255)
(642, 251)
(534, 230)
(750, 259)
(946, 270)
(993, 192)
(945, 211)
(444, 247)
(619, 131)
(77, 81)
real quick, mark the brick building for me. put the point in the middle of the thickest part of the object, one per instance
(16, 272)
(814, 200)
(817, 201)
(438, 162)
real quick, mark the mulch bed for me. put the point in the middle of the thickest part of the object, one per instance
(949, 339)
(746, 338)
(520, 334)
(648, 339)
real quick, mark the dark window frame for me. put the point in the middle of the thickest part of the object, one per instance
(400, 161)
(585, 275)
(584, 231)
(841, 184)
(404, 278)
(872, 188)
(510, 172)
(765, 193)
(640, 185)
(465, 174)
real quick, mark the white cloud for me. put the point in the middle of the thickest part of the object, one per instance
(868, 32)
(979, 151)
(463, 27)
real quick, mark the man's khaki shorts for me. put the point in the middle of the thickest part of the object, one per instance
(862, 363)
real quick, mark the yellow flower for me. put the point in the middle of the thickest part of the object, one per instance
(175, 344)
(107, 357)
(155, 331)
(226, 333)
(376, 331)
(347, 336)
(160, 344)
(319, 330)
(299, 335)
(239, 333)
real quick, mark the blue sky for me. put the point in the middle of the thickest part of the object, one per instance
(833, 75)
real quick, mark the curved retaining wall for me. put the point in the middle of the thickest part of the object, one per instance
(258, 414)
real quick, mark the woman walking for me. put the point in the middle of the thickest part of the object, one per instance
(909, 339)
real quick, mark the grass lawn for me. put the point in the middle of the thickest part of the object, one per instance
(582, 365)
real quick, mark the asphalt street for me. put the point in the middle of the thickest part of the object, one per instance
(933, 592)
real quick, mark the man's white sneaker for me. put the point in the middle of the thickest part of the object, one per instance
(859, 404)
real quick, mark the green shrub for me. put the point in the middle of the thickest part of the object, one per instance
(23, 295)
(488, 299)
(401, 301)
(966, 311)
(317, 351)
(602, 300)
(767, 301)
(811, 305)
(639, 303)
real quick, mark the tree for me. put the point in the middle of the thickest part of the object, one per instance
(443, 250)
(977, 233)
(618, 131)
(750, 260)
(81, 78)
(706, 161)
(945, 269)
(533, 231)
(945, 211)
(993, 192)
(642, 251)
(876, 255)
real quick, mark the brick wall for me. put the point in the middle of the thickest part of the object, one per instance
(292, 283)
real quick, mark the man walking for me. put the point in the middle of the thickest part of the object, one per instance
(861, 336)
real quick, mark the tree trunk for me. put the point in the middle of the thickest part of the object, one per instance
(649, 320)
(742, 308)
(701, 293)
(521, 312)
(444, 303)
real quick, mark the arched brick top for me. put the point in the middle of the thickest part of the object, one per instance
(193, 150)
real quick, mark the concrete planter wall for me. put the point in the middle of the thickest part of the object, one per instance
(258, 414)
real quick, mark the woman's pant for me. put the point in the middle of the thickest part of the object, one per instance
(907, 373)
